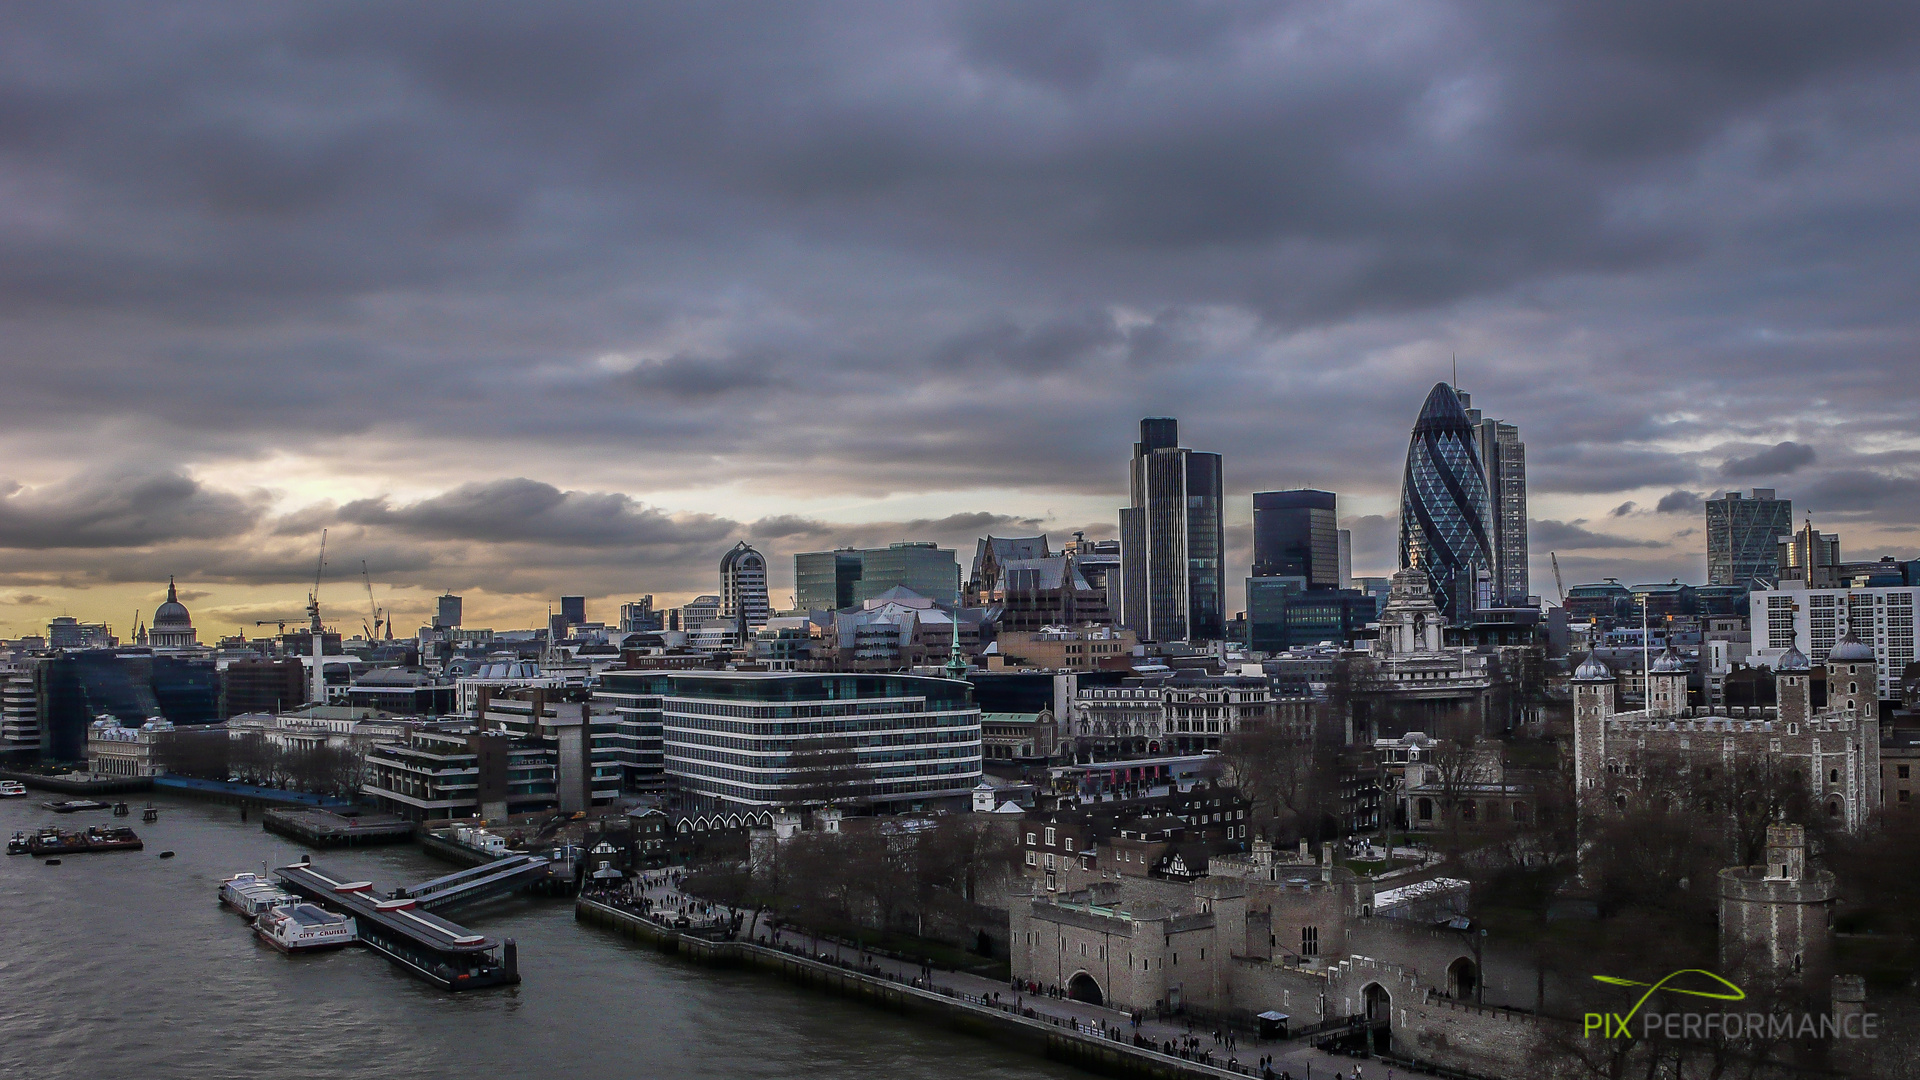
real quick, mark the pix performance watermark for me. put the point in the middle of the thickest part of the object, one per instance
(1732, 1025)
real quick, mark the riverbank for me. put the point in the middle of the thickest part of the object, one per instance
(1015, 1026)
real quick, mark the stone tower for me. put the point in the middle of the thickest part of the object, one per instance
(1853, 685)
(1667, 686)
(1593, 697)
(1793, 687)
(1776, 918)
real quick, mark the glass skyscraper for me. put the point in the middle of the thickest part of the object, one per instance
(1172, 539)
(1295, 535)
(1743, 537)
(1503, 460)
(1443, 499)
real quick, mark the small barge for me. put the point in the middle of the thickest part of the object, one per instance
(252, 895)
(51, 841)
(443, 953)
(301, 927)
(74, 806)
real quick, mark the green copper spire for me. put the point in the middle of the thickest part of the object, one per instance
(956, 664)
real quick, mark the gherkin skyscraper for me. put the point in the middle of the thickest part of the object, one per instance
(1443, 500)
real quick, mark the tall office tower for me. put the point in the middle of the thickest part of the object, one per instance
(1443, 498)
(1741, 537)
(1810, 556)
(573, 610)
(824, 580)
(1346, 558)
(1172, 540)
(1295, 534)
(446, 612)
(743, 587)
(1503, 461)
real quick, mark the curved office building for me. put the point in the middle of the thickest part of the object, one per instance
(1442, 503)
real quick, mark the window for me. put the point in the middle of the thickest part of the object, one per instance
(1903, 795)
(1309, 941)
(1030, 838)
(1833, 776)
(1050, 836)
(1903, 771)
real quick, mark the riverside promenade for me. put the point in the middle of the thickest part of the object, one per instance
(1102, 1040)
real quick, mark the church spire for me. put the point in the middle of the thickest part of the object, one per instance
(171, 597)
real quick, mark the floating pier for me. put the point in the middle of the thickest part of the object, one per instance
(441, 952)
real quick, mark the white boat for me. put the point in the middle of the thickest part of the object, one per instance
(302, 927)
(252, 895)
(12, 789)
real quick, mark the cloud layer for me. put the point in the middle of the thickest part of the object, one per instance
(572, 297)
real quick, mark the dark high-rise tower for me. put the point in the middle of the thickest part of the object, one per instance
(1295, 534)
(1503, 459)
(1172, 539)
(1443, 499)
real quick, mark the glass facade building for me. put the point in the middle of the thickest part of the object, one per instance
(1743, 537)
(1443, 497)
(1296, 534)
(1173, 540)
(1503, 457)
(824, 580)
(833, 580)
(771, 739)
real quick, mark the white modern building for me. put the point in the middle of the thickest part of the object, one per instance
(1813, 621)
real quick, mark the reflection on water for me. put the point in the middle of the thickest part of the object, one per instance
(124, 965)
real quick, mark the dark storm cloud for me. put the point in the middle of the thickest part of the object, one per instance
(906, 249)
(1574, 535)
(126, 506)
(1776, 460)
(527, 511)
(1678, 502)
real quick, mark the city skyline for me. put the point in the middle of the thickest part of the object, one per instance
(507, 330)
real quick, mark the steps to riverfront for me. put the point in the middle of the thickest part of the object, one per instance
(1059, 1038)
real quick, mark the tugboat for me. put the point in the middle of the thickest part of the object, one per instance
(17, 843)
(252, 895)
(303, 927)
(12, 789)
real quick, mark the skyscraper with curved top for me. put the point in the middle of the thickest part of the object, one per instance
(743, 588)
(1443, 500)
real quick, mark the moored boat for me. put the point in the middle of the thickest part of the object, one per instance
(51, 841)
(252, 895)
(69, 806)
(304, 927)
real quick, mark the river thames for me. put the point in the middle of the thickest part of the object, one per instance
(124, 965)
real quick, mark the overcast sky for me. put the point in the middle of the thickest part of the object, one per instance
(523, 299)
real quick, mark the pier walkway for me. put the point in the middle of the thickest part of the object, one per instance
(479, 882)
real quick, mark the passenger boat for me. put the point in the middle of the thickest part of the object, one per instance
(252, 895)
(69, 806)
(12, 789)
(303, 927)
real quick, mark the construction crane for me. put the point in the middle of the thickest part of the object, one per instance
(281, 623)
(373, 629)
(1558, 585)
(313, 598)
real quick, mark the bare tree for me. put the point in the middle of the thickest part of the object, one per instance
(1289, 777)
(826, 769)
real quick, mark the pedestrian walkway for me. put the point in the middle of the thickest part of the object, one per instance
(657, 894)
